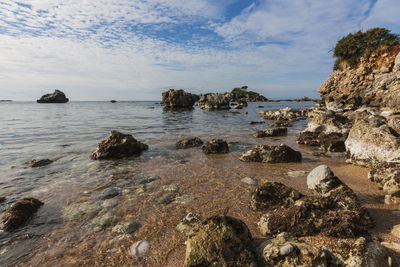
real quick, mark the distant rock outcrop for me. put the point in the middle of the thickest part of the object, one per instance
(178, 99)
(56, 97)
(241, 94)
(215, 101)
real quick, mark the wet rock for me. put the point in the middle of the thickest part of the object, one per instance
(2, 199)
(166, 198)
(120, 238)
(396, 231)
(333, 142)
(271, 154)
(216, 146)
(113, 101)
(176, 99)
(109, 203)
(117, 146)
(109, 193)
(249, 181)
(189, 142)
(39, 162)
(56, 97)
(273, 194)
(271, 133)
(103, 221)
(296, 173)
(171, 188)
(373, 141)
(220, 241)
(126, 228)
(19, 213)
(337, 213)
(78, 210)
(257, 122)
(140, 249)
(285, 250)
(283, 117)
(214, 101)
(240, 105)
(184, 199)
(387, 177)
(188, 222)
(321, 180)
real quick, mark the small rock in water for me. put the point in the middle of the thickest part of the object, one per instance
(109, 203)
(184, 199)
(109, 193)
(167, 198)
(104, 221)
(140, 249)
(171, 188)
(187, 223)
(396, 231)
(2, 199)
(126, 228)
(249, 181)
(286, 249)
(296, 173)
(216, 146)
(39, 162)
(396, 212)
(120, 238)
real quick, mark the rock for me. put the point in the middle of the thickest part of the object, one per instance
(19, 213)
(56, 97)
(396, 231)
(78, 210)
(216, 146)
(171, 188)
(109, 193)
(120, 238)
(184, 199)
(166, 198)
(259, 106)
(273, 194)
(337, 213)
(296, 173)
(387, 177)
(126, 228)
(176, 99)
(220, 241)
(140, 249)
(270, 133)
(39, 162)
(118, 146)
(113, 101)
(187, 223)
(214, 101)
(249, 181)
(333, 142)
(257, 122)
(321, 180)
(189, 142)
(373, 142)
(271, 154)
(2, 199)
(109, 203)
(283, 117)
(103, 221)
(285, 250)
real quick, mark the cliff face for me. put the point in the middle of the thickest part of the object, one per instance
(375, 82)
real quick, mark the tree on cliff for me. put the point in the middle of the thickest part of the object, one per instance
(350, 48)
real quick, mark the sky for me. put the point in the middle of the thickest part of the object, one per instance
(135, 49)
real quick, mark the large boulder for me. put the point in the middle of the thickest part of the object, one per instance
(387, 177)
(272, 154)
(176, 99)
(56, 97)
(216, 146)
(117, 146)
(189, 142)
(220, 241)
(19, 213)
(214, 101)
(372, 141)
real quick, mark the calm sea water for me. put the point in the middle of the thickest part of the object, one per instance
(68, 133)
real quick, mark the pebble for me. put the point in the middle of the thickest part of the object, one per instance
(2, 199)
(184, 199)
(120, 238)
(126, 228)
(166, 198)
(296, 173)
(140, 249)
(396, 212)
(109, 203)
(171, 188)
(109, 193)
(249, 181)
(104, 220)
(286, 249)
(187, 223)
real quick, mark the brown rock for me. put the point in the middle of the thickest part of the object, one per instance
(19, 213)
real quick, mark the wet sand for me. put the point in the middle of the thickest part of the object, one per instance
(214, 181)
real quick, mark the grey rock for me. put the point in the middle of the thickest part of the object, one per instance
(321, 180)
(56, 97)
(140, 249)
(109, 193)
(249, 181)
(39, 162)
(166, 198)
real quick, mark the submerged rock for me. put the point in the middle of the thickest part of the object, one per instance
(56, 97)
(189, 142)
(216, 146)
(220, 241)
(249, 181)
(39, 162)
(271, 133)
(118, 145)
(333, 142)
(175, 99)
(271, 154)
(140, 249)
(188, 222)
(19, 213)
(387, 177)
(214, 101)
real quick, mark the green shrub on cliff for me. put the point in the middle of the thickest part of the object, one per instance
(350, 48)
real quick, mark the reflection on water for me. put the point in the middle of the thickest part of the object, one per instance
(67, 133)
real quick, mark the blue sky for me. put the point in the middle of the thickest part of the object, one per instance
(135, 49)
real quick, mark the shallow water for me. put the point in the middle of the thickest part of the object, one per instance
(74, 227)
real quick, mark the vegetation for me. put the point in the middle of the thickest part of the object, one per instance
(350, 48)
(242, 92)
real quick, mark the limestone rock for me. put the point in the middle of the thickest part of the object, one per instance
(387, 177)
(214, 101)
(216, 146)
(56, 97)
(140, 249)
(271, 154)
(118, 145)
(189, 142)
(220, 241)
(321, 180)
(19, 213)
(187, 223)
(272, 132)
(39, 162)
(175, 99)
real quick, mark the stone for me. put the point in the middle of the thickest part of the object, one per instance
(166, 198)
(396, 231)
(187, 223)
(214, 101)
(109, 193)
(273, 194)
(35, 163)
(387, 177)
(296, 173)
(103, 221)
(140, 249)
(117, 146)
(257, 122)
(321, 180)
(184, 199)
(216, 146)
(56, 97)
(272, 154)
(19, 213)
(126, 228)
(283, 117)
(178, 99)
(249, 181)
(109, 203)
(171, 188)
(271, 133)
(364, 253)
(220, 241)
(189, 142)
(78, 210)
(2, 199)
